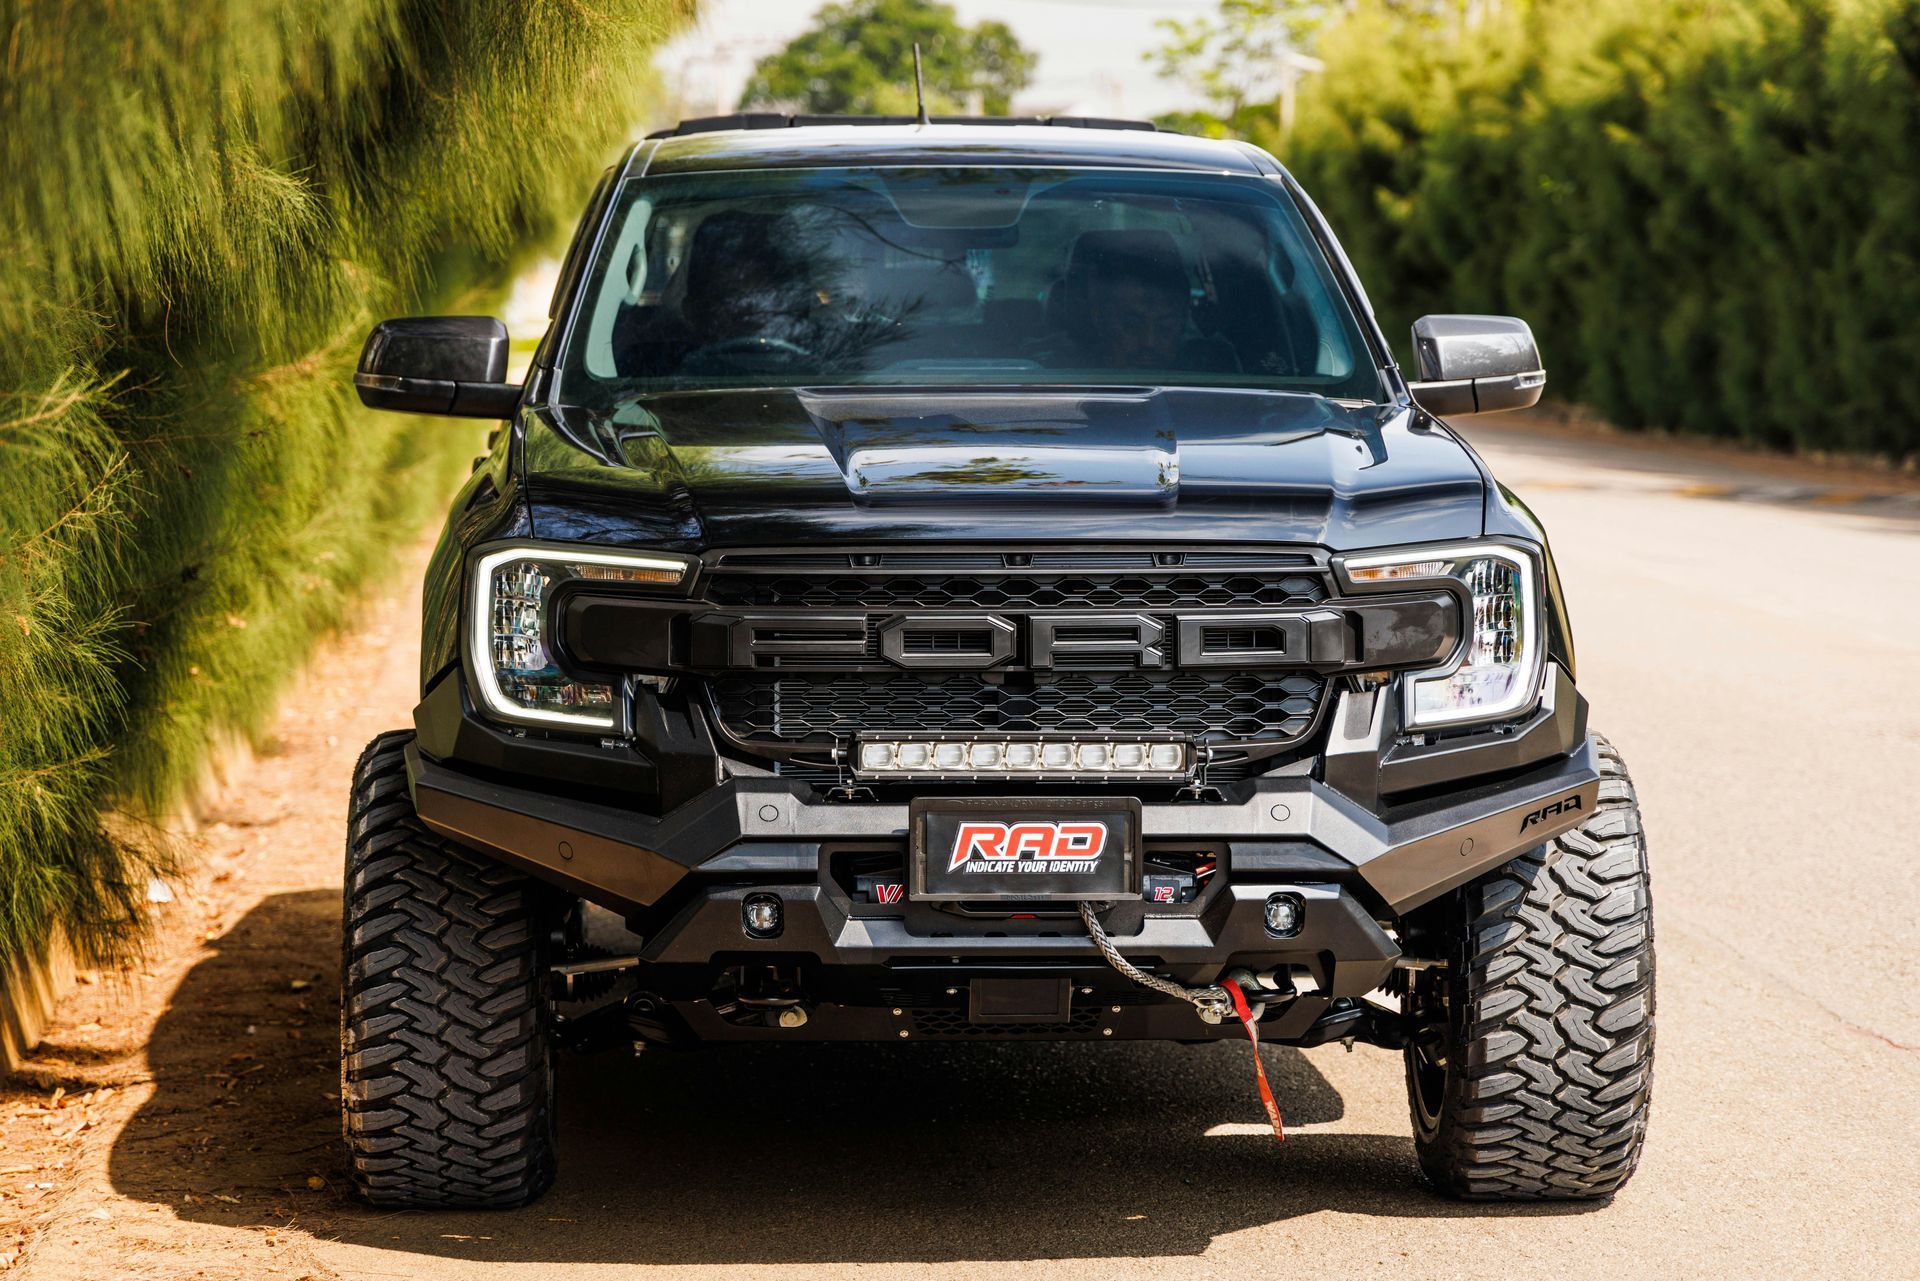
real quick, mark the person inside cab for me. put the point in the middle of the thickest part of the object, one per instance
(742, 292)
(1124, 304)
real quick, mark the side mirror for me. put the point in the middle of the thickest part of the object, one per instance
(1475, 365)
(451, 365)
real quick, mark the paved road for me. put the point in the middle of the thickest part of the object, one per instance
(1755, 652)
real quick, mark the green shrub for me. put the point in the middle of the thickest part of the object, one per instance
(207, 203)
(1709, 212)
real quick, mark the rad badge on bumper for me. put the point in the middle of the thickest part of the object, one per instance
(1025, 848)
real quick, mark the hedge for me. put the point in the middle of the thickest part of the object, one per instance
(1710, 212)
(207, 202)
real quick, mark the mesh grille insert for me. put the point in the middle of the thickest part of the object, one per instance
(1208, 708)
(1016, 591)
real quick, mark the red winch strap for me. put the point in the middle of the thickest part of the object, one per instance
(1253, 1035)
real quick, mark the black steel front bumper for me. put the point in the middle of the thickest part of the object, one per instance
(1358, 863)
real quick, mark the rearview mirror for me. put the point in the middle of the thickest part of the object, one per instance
(1475, 365)
(453, 365)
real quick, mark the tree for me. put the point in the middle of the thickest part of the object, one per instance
(1239, 61)
(858, 60)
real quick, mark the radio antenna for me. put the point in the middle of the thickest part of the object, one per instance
(919, 86)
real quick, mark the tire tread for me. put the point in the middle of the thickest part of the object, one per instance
(445, 1066)
(1551, 1042)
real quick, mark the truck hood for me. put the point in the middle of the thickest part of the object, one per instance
(773, 467)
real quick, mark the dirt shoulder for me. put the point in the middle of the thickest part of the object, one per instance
(181, 1116)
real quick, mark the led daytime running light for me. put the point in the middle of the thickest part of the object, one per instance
(1499, 669)
(510, 661)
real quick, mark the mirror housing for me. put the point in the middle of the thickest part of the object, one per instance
(454, 365)
(1475, 365)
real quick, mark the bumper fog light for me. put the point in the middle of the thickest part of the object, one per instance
(1284, 914)
(761, 916)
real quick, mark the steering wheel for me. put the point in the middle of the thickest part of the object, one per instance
(739, 353)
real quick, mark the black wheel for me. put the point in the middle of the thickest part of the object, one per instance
(446, 1069)
(1532, 1079)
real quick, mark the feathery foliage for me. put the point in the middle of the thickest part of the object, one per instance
(1710, 212)
(207, 203)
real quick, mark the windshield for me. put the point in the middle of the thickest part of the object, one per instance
(961, 276)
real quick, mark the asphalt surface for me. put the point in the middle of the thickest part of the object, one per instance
(1748, 635)
(1755, 653)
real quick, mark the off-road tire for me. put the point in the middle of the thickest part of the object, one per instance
(1534, 1086)
(446, 1069)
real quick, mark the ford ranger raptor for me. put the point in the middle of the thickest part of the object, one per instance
(984, 580)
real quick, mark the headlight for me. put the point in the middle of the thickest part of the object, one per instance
(509, 630)
(1498, 671)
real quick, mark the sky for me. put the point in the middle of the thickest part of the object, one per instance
(1091, 51)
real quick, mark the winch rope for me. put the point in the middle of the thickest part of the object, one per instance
(1214, 1004)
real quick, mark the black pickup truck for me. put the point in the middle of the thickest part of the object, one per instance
(984, 580)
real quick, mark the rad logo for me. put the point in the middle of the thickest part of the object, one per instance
(1028, 847)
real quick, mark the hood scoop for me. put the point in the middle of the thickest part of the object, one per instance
(1111, 447)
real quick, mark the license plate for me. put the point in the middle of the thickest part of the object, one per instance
(1024, 848)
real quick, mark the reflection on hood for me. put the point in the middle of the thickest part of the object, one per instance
(834, 463)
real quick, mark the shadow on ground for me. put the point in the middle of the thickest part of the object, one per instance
(771, 1155)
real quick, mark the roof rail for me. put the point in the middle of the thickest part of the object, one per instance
(782, 120)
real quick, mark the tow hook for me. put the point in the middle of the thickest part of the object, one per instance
(1275, 984)
(764, 996)
(1254, 985)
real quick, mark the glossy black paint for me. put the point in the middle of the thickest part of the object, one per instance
(717, 469)
(1364, 822)
(454, 365)
(490, 506)
(1096, 465)
(1476, 364)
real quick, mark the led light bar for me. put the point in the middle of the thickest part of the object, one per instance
(970, 757)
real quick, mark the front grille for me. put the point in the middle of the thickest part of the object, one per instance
(1016, 591)
(797, 702)
(1207, 708)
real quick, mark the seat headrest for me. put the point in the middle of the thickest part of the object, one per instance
(1151, 257)
(734, 246)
